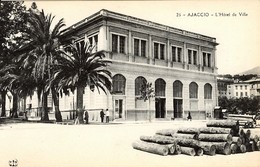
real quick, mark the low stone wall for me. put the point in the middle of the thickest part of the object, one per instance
(196, 115)
(139, 115)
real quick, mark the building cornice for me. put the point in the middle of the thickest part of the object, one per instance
(109, 14)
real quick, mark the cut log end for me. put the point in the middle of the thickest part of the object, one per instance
(208, 148)
(238, 141)
(242, 149)
(258, 145)
(199, 152)
(171, 148)
(233, 148)
(177, 149)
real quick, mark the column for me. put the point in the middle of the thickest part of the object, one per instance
(150, 53)
(185, 55)
(102, 38)
(168, 53)
(200, 58)
(129, 52)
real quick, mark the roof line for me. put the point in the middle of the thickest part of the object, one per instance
(107, 13)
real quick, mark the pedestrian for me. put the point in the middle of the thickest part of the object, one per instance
(77, 117)
(107, 116)
(102, 114)
(86, 116)
(189, 117)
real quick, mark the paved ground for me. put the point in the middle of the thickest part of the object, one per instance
(100, 145)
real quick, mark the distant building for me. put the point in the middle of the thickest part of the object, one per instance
(241, 89)
(254, 86)
(237, 89)
(225, 87)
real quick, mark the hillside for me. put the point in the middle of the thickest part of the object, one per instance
(255, 70)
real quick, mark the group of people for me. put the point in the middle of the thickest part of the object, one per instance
(86, 116)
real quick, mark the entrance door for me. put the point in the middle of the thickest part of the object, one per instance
(119, 108)
(177, 105)
(159, 107)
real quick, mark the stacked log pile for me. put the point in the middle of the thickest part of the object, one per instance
(218, 137)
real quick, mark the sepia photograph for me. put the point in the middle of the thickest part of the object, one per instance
(130, 83)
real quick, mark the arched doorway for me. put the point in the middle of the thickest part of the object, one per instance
(119, 83)
(177, 99)
(160, 110)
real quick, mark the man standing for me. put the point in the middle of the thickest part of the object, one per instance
(107, 116)
(86, 116)
(102, 114)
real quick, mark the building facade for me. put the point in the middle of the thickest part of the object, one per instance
(225, 87)
(181, 66)
(254, 86)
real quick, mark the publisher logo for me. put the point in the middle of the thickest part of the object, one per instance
(13, 163)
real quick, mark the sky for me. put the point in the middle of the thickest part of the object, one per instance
(238, 35)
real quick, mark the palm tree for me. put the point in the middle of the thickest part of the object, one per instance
(16, 82)
(80, 68)
(44, 42)
(2, 92)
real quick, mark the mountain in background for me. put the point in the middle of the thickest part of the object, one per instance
(255, 70)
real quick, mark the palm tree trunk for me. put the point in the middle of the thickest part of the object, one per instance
(80, 92)
(55, 98)
(44, 112)
(150, 115)
(15, 105)
(3, 94)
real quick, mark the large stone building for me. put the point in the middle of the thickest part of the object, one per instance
(180, 64)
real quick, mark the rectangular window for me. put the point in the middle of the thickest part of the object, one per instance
(118, 43)
(245, 87)
(94, 42)
(139, 47)
(241, 87)
(179, 54)
(136, 47)
(189, 56)
(174, 53)
(245, 93)
(162, 52)
(204, 59)
(114, 43)
(159, 51)
(241, 94)
(122, 44)
(236, 87)
(80, 43)
(209, 59)
(236, 93)
(195, 57)
(143, 48)
(156, 49)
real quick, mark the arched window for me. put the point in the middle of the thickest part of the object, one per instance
(193, 88)
(177, 89)
(139, 81)
(160, 87)
(207, 91)
(119, 84)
